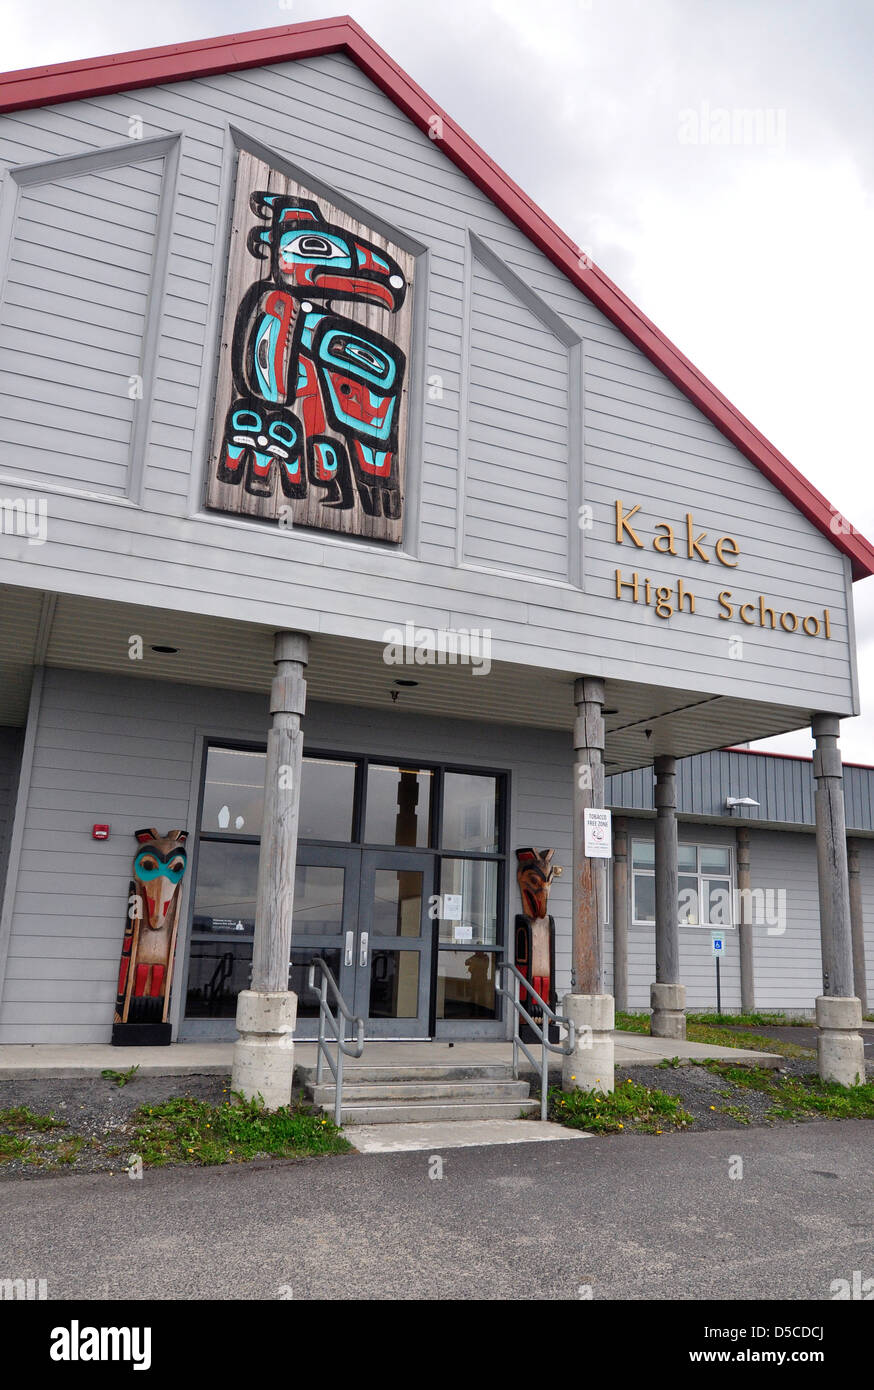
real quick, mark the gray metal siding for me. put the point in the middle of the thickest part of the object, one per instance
(783, 787)
(643, 440)
(788, 966)
(122, 751)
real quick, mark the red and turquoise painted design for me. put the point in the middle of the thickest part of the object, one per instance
(317, 395)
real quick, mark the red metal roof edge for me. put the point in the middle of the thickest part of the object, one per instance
(792, 757)
(61, 82)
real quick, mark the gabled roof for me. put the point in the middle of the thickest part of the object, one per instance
(151, 67)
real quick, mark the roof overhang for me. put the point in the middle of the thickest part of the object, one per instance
(61, 82)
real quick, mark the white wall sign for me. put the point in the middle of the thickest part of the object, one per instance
(452, 907)
(598, 834)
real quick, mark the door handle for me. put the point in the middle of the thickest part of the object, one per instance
(350, 948)
(362, 959)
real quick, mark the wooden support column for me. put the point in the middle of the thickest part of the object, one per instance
(745, 925)
(266, 1012)
(590, 1067)
(587, 966)
(620, 913)
(838, 1010)
(857, 924)
(667, 995)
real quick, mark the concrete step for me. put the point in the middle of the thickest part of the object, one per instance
(399, 1112)
(394, 1090)
(424, 1071)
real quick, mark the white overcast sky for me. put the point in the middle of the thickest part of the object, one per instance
(756, 260)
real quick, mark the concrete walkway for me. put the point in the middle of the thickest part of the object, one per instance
(205, 1058)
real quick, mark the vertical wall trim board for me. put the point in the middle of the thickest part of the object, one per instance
(851, 634)
(464, 399)
(151, 345)
(416, 406)
(576, 453)
(17, 837)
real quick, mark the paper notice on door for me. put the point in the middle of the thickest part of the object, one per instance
(462, 933)
(452, 907)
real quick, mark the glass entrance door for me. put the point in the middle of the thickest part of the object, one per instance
(393, 977)
(366, 913)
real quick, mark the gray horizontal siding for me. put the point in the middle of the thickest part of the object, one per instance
(504, 406)
(122, 750)
(783, 787)
(72, 323)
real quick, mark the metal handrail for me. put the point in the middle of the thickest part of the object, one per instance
(565, 1049)
(337, 1028)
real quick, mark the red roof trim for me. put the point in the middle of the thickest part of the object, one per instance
(790, 757)
(234, 52)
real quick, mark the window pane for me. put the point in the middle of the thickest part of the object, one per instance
(644, 898)
(643, 854)
(466, 984)
(227, 884)
(327, 797)
(718, 897)
(394, 984)
(233, 793)
(688, 907)
(398, 806)
(298, 978)
(470, 812)
(217, 971)
(687, 858)
(397, 903)
(318, 901)
(714, 859)
(469, 901)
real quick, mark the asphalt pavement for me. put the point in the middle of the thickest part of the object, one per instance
(636, 1217)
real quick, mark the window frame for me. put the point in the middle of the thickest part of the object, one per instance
(701, 877)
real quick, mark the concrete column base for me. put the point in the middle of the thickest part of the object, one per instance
(839, 1048)
(668, 1004)
(590, 1066)
(264, 1051)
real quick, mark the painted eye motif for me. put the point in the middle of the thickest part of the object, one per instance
(177, 866)
(246, 420)
(315, 248)
(282, 432)
(149, 864)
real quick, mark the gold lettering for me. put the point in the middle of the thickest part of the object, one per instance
(626, 584)
(663, 593)
(763, 610)
(684, 593)
(793, 616)
(724, 543)
(647, 591)
(622, 520)
(811, 619)
(668, 536)
(740, 614)
(693, 546)
(826, 618)
(724, 603)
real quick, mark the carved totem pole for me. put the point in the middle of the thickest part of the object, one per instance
(146, 970)
(535, 929)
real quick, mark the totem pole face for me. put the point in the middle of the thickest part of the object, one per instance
(534, 875)
(159, 866)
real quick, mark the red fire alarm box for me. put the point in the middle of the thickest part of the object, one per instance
(100, 832)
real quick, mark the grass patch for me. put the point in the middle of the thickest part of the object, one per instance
(19, 1117)
(801, 1097)
(701, 1028)
(192, 1131)
(121, 1078)
(630, 1106)
(761, 1020)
